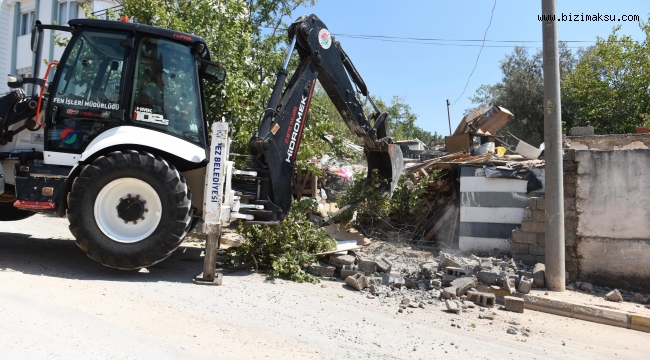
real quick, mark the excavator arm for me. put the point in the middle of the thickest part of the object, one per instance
(275, 145)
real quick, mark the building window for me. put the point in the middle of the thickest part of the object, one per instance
(63, 13)
(27, 22)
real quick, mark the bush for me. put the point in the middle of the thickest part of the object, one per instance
(285, 248)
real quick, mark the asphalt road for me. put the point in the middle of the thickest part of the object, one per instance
(56, 303)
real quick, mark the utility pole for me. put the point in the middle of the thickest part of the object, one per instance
(554, 202)
(448, 117)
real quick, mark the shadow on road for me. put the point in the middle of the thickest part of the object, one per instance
(62, 258)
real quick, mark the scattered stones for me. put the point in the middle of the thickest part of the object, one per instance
(513, 303)
(413, 304)
(357, 281)
(525, 285)
(429, 270)
(370, 296)
(585, 286)
(452, 306)
(614, 295)
(327, 270)
(436, 283)
(513, 322)
(512, 330)
(639, 298)
(390, 279)
(488, 316)
(539, 275)
(468, 304)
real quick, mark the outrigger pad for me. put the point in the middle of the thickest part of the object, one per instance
(389, 162)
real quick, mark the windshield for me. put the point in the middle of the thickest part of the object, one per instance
(166, 89)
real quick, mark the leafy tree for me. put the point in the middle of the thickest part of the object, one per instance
(611, 84)
(246, 37)
(521, 91)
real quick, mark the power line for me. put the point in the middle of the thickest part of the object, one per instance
(479, 53)
(460, 40)
(450, 44)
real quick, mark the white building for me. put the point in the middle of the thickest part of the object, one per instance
(17, 19)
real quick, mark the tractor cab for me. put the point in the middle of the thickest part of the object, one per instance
(143, 80)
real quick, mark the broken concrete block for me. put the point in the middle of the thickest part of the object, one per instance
(525, 285)
(452, 306)
(357, 281)
(447, 279)
(488, 300)
(436, 283)
(463, 284)
(340, 260)
(449, 292)
(508, 284)
(514, 304)
(391, 279)
(366, 265)
(473, 296)
(639, 298)
(468, 305)
(349, 270)
(327, 270)
(429, 270)
(409, 282)
(487, 277)
(539, 275)
(314, 269)
(525, 273)
(383, 265)
(614, 295)
(413, 304)
(373, 280)
(447, 260)
(585, 286)
(485, 264)
(456, 271)
(493, 289)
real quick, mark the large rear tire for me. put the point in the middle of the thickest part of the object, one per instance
(8, 212)
(129, 209)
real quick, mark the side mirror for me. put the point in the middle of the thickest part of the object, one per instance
(36, 34)
(14, 81)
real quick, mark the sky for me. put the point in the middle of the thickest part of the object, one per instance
(426, 75)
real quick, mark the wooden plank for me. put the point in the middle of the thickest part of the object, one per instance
(440, 222)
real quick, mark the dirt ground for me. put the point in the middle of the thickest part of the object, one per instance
(55, 303)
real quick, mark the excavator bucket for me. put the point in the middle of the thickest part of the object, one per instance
(388, 162)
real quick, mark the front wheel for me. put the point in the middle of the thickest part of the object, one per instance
(129, 209)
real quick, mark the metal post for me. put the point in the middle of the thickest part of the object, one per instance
(555, 273)
(448, 117)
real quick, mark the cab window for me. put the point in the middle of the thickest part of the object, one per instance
(88, 89)
(166, 92)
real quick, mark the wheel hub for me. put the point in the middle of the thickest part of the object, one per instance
(131, 209)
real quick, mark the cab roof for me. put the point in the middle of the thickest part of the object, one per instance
(140, 28)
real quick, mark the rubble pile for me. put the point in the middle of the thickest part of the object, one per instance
(411, 279)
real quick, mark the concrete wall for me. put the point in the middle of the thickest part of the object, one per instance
(613, 203)
(607, 218)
